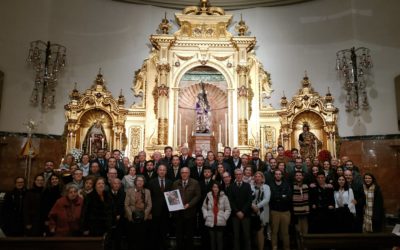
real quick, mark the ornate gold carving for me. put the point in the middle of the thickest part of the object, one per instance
(241, 28)
(222, 58)
(164, 26)
(242, 130)
(204, 9)
(95, 102)
(163, 68)
(243, 91)
(308, 106)
(135, 142)
(163, 131)
(163, 90)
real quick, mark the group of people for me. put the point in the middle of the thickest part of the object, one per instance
(231, 200)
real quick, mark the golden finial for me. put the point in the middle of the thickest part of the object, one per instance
(164, 26)
(284, 101)
(75, 93)
(305, 82)
(121, 99)
(241, 27)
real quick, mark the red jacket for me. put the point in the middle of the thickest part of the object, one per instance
(65, 216)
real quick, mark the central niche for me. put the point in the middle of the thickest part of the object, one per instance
(215, 86)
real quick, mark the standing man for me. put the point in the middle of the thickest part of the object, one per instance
(118, 197)
(48, 170)
(141, 165)
(185, 219)
(240, 198)
(167, 156)
(173, 171)
(256, 163)
(197, 171)
(280, 205)
(150, 172)
(159, 211)
(185, 158)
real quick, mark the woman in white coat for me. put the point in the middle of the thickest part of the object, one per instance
(216, 211)
(260, 206)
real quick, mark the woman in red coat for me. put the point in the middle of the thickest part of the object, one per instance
(65, 216)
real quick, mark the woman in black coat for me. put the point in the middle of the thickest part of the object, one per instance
(33, 219)
(51, 193)
(98, 211)
(374, 214)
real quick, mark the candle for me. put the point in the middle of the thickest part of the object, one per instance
(102, 142)
(316, 146)
(226, 129)
(186, 133)
(90, 146)
(334, 146)
(220, 132)
(180, 129)
(282, 139)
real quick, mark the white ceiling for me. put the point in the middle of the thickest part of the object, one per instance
(226, 4)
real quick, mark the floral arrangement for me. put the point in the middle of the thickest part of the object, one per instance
(324, 155)
(77, 154)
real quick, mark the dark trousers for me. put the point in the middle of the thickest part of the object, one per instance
(241, 233)
(216, 238)
(184, 232)
(137, 236)
(159, 231)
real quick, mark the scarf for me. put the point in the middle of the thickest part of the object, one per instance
(215, 209)
(368, 209)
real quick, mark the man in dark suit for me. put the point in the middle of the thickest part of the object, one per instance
(185, 219)
(48, 170)
(150, 172)
(235, 162)
(167, 156)
(256, 163)
(101, 161)
(141, 165)
(185, 158)
(118, 196)
(240, 198)
(159, 211)
(173, 171)
(196, 172)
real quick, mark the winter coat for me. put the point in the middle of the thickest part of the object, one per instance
(224, 210)
(65, 216)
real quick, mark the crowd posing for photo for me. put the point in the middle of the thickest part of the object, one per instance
(231, 200)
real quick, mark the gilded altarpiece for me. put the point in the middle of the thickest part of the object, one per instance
(308, 107)
(202, 40)
(95, 119)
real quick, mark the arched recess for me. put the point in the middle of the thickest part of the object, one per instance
(221, 93)
(316, 123)
(216, 90)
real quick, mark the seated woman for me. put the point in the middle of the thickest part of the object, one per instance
(65, 216)
(216, 211)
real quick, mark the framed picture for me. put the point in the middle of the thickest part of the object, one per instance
(174, 200)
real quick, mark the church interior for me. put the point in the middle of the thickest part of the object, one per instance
(142, 75)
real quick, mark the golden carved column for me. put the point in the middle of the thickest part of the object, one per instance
(243, 105)
(162, 105)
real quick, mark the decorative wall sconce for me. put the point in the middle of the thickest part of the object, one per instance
(354, 65)
(48, 60)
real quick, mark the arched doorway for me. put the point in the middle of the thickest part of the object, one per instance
(215, 87)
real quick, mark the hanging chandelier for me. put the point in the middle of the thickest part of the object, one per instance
(354, 67)
(48, 60)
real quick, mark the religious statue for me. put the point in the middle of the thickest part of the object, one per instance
(202, 112)
(96, 137)
(309, 143)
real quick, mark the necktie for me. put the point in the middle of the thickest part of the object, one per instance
(199, 170)
(184, 184)
(162, 185)
(207, 183)
(239, 184)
